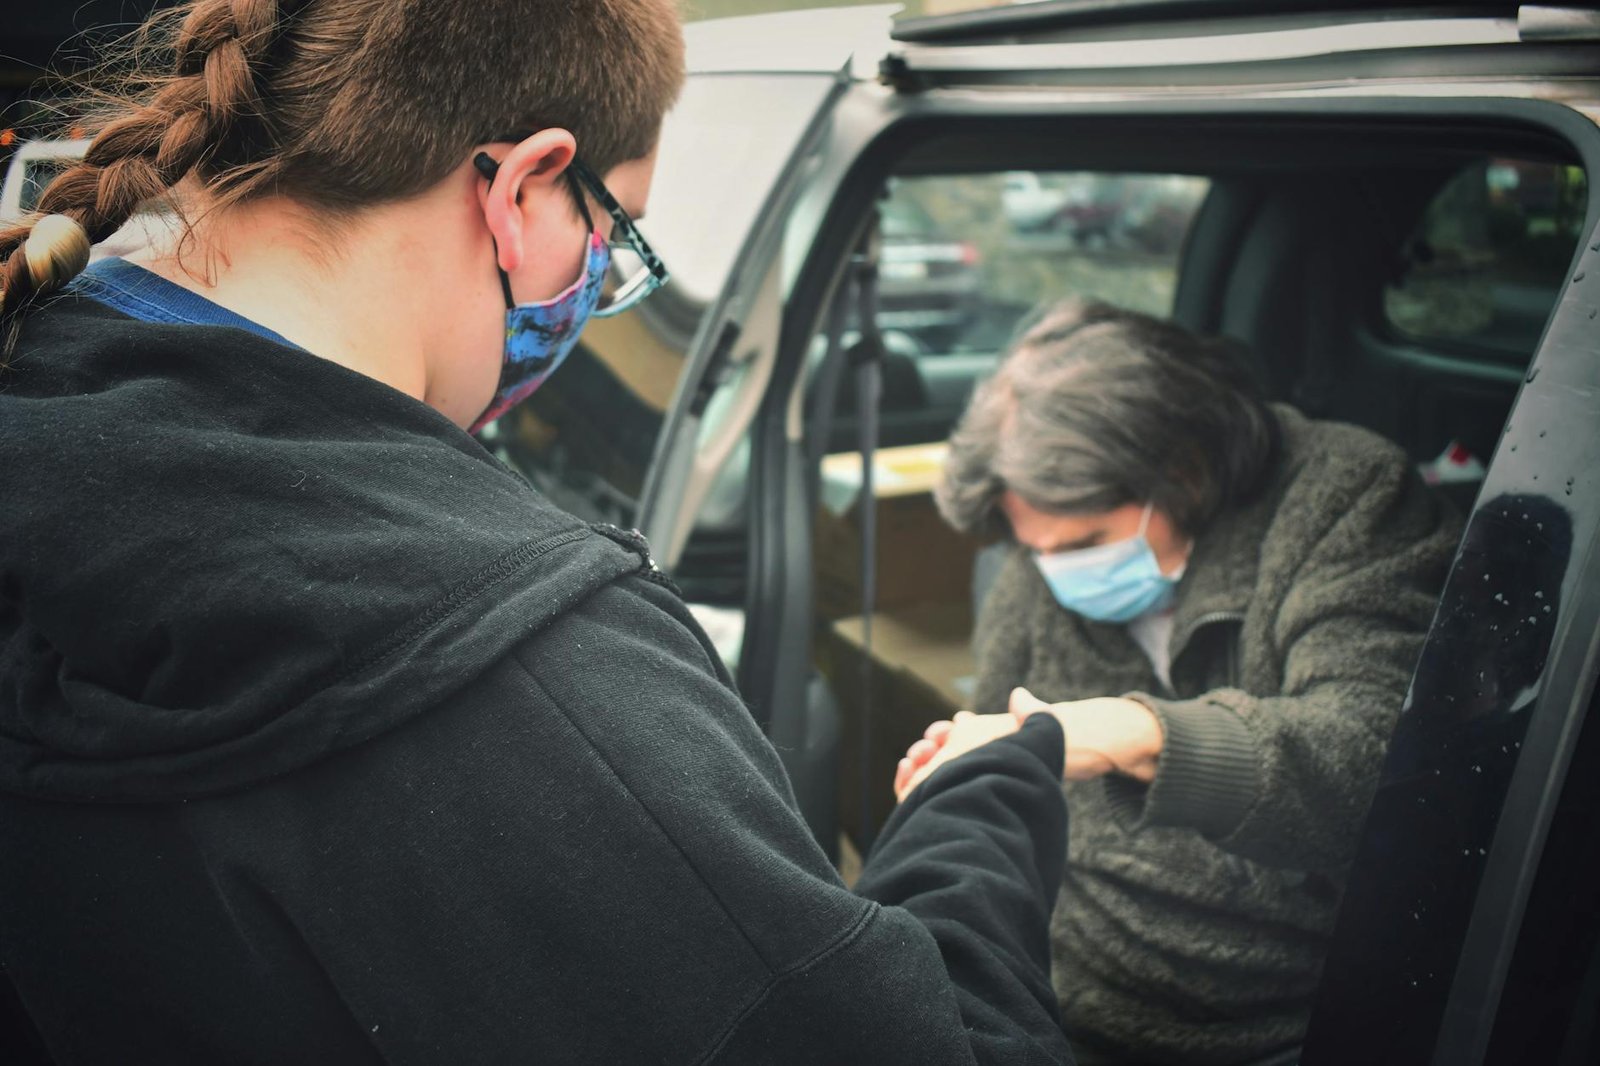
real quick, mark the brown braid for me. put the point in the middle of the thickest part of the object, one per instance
(141, 155)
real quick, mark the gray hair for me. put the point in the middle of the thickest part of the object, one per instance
(1094, 407)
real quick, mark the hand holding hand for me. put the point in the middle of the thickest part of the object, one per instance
(945, 741)
(1105, 735)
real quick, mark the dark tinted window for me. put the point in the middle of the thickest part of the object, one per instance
(1483, 267)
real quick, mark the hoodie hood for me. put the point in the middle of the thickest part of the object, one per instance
(223, 559)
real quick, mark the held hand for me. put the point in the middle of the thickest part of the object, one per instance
(1105, 735)
(945, 741)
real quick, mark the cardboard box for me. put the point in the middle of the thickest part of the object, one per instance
(920, 559)
(923, 670)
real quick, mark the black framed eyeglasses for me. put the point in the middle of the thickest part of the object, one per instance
(637, 269)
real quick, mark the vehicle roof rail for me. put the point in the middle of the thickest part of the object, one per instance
(1048, 15)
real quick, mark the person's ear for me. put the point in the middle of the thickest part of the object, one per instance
(537, 162)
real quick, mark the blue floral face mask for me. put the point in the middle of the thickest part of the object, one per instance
(1114, 582)
(540, 336)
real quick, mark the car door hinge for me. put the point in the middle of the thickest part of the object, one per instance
(896, 73)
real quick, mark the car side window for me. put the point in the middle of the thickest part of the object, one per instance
(965, 258)
(1483, 266)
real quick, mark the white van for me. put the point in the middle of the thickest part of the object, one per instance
(32, 168)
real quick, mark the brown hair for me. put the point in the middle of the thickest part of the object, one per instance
(1095, 407)
(340, 104)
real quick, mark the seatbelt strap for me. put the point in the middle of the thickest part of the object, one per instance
(867, 357)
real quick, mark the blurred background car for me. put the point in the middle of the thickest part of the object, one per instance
(1030, 204)
(929, 284)
(33, 165)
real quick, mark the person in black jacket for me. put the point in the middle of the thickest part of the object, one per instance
(323, 737)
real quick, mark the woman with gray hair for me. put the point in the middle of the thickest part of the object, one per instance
(1222, 601)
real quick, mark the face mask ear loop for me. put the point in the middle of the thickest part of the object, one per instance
(577, 191)
(505, 279)
(1144, 522)
(485, 165)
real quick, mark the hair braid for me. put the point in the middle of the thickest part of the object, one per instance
(186, 118)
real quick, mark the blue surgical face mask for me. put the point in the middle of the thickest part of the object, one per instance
(1114, 582)
(540, 336)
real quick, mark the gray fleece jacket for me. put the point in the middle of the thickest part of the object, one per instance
(1195, 912)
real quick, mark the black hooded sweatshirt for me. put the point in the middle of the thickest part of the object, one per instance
(325, 738)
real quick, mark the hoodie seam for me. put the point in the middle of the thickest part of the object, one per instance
(839, 943)
(457, 598)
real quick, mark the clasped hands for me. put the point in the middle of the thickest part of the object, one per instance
(1106, 735)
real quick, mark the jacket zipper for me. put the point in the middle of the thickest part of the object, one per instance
(635, 542)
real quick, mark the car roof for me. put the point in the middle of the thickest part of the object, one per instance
(1045, 16)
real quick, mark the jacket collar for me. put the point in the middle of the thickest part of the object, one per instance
(1220, 580)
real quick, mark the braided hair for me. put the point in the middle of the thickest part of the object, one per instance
(190, 116)
(340, 104)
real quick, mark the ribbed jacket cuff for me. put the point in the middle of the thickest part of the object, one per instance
(1207, 777)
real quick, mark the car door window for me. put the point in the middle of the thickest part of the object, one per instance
(1483, 267)
(965, 258)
